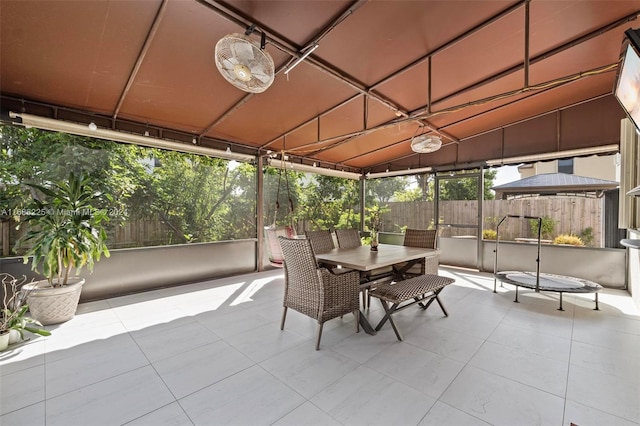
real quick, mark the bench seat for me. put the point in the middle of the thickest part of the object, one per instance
(420, 289)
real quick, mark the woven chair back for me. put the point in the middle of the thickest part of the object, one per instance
(423, 238)
(348, 238)
(321, 241)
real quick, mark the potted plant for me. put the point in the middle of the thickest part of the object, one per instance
(66, 232)
(13, 315)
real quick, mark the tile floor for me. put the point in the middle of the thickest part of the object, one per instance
(212, 353)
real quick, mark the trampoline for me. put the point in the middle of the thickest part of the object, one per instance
(541, 281)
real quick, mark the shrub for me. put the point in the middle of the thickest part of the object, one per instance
(489, 234)
(547, 227)
(572, 240)
(586, 235)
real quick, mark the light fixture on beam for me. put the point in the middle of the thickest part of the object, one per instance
(604, 149)
(43, 123)
(286, 165)
(399, 172)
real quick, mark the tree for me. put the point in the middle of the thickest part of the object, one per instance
(330, 202)
(461, 188)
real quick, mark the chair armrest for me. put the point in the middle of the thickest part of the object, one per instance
(349, 279)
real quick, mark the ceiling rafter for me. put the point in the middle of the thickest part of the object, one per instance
(426, 112)
(543, 86)
(141, 56)
(545, 55)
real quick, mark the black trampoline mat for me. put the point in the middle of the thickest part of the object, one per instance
(549, 282)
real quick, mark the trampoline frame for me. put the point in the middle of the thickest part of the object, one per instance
(590, 288)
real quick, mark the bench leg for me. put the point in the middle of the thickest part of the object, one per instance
(437, 299)
(388, 312)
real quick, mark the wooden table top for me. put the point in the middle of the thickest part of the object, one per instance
(363, 259)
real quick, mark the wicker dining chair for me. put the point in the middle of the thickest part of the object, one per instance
(348, 238)
(315, 291)
(321, 241)
(423, 238)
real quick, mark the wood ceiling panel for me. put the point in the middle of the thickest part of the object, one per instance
(296, 21)
(598, 52)
(553, 22)
(535, 104)
(77, 54)
(288, 103)
(364, 145)
(410, 89)
(496, 47)
(178, 84)
(383, 36)
(346, 119)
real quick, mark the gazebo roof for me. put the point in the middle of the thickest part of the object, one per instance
(495, 80)
(553, 184)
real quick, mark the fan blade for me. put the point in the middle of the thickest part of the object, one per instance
(262, 77)
(243, 51)
(229, 63)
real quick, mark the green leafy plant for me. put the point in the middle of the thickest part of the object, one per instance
(66, 229)
(586, 235)
(13, 315)
(547, 227)
(489, 234)
(572, 240)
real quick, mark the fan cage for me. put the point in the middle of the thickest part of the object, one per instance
(224, 52)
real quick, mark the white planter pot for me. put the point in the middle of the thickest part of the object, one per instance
(14, 337)
(53, 305)
(4, 340)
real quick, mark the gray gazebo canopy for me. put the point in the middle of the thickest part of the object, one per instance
(554, 184)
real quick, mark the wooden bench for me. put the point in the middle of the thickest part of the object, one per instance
(420, 289)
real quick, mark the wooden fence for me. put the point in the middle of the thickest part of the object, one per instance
(572, 215)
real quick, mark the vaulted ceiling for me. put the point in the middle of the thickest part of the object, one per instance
(494, 79)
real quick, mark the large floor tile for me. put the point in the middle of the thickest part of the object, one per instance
(501, 401)
(522, 366)
(578, 414)
(169, 415)
(619, 396)
(532, 341)
(361, 347)
(100, 360)
(445, 342)
(174, 338)
(229, 324)
(308, 371)
(22, 356)
(251, 397)
(424, 371)
(307, 415)
(604, 360)
(263, 342)
(201, 367)
(364, 397)
(32, 415)
(443, 414)
(545, 321)
(21, 389)
(114, 401)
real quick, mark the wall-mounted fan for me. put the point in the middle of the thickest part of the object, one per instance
(426, 143)
(244, 64)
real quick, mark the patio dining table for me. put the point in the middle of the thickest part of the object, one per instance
(362, 259)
